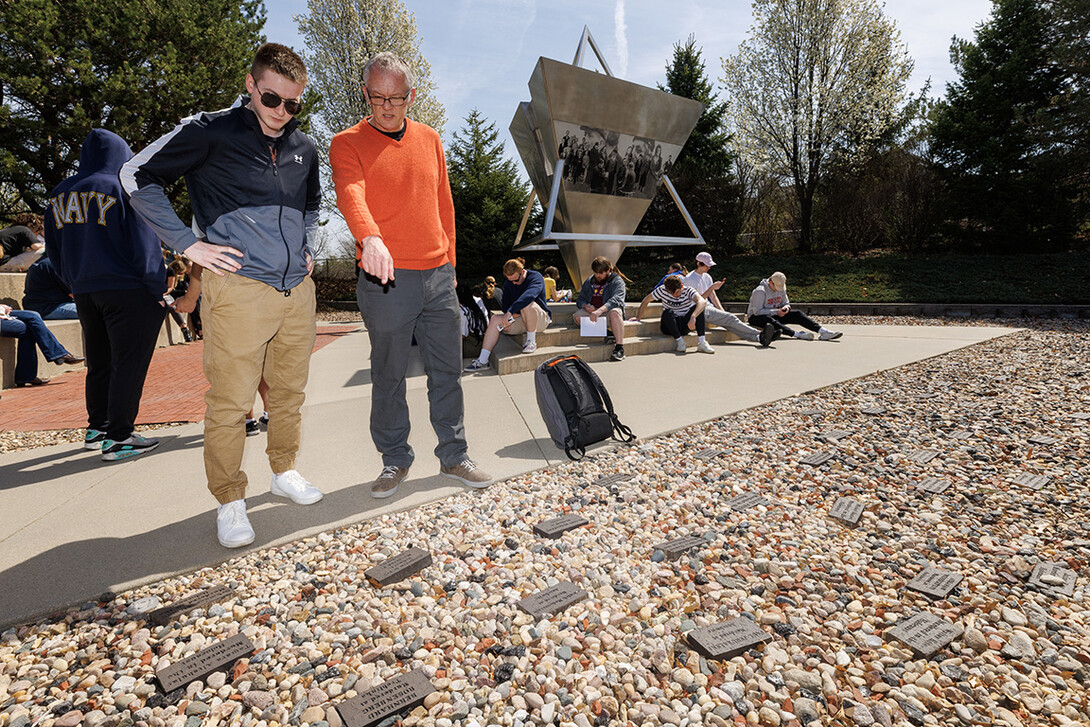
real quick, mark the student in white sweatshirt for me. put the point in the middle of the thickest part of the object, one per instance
(769, 304)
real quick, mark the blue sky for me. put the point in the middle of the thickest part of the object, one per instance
(482, 52)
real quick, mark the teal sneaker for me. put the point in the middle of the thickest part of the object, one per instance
(134, 446)
(94, 439)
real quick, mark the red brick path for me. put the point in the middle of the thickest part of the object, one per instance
(173, 392)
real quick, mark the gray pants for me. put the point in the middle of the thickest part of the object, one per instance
(420, 302)
(715, 317)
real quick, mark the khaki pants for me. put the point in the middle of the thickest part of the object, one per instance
(251, 328)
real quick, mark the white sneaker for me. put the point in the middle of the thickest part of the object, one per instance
(705, 347)
(827, 335)
(232, 526)
(804, 335)
(295, 487)
(529, 347)
(680, 348)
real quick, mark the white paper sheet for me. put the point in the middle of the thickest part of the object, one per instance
(590, 328)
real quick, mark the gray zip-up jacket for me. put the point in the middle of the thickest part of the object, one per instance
(256, 194)
(764, 301)
(613, 292)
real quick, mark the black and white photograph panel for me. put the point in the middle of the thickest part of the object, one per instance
(600, 161)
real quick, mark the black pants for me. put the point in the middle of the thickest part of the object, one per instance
(780, 322)
(120, 328)
(676, 326)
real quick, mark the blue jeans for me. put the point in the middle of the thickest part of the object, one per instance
(421, 302)
(60, 312)
(28, 327)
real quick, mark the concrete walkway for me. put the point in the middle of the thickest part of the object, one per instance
(75, 527)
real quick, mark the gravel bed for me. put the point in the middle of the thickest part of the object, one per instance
(826, 596)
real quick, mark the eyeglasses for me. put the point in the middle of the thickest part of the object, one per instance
(393, 100)
(271, 100)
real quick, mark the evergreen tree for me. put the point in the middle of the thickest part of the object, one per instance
(994, 134)
(702, 172)
(133, 67)
(489, 197)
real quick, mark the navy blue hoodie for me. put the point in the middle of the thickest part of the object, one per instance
(95, 239)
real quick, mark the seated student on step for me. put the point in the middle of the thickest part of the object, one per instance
(682, 308)
(21, 244)
(524, 310)
(28, 328)
(552, 294)
(700, 280)
(603, 294)
(769, 304)
(45, 293)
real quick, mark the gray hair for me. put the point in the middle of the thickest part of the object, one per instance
(389, 63)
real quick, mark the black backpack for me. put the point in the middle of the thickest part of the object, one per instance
(575, 406)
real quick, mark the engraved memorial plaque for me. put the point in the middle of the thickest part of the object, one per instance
(674, 549)
(832, 435)
(745, 501)
(398, 567)
(557, 526)
(614, 479)
(935, 582)
(727, 639)
(874, 410)
(847, 510)
(552, 600)
(1081, 416)
(1032, 481)
(811, 412)
(925, 633)
(922, 456)
(217, 657)
(816, 458)
(200, 599)
(706, 454)
(962, 434)
(928, 396)
(933, 485)
(1054, 579)
(1042, 440)
(400, 694)
(874, 392)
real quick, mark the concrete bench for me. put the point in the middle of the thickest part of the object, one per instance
(70, 335)
(11, 289)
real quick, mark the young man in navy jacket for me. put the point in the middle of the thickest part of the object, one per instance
(113, 264)
(253, 183)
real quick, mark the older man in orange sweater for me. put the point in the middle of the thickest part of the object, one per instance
(392, 188)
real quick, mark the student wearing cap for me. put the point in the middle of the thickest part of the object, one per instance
(769, 304)
(700, 280)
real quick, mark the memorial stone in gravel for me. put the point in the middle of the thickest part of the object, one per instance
(922, 456)
(745, 501)
(935, 582)
(557, 526)
(216, 657)
(925, 633)
(727, 639)
(811, 412)
(1082, 416)
(1053, 579)
(833, 435)
(552, 600)
(933, 485)
(847, 510)
(1042, 440)
(398, 567)
(400, 694)
(614, 479)
(962, 434)
(706, 454)
(874, 410)
(674, 549)
(817, 458)
(1030, 480)
(200, 599)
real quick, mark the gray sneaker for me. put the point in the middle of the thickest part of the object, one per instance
(388, 480)
(467, 472)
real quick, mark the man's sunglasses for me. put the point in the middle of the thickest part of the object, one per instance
(272, 101)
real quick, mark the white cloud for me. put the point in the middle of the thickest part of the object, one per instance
(620, 35)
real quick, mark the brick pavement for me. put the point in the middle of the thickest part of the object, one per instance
(174, 392)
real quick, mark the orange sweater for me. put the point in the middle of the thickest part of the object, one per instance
(397, 190)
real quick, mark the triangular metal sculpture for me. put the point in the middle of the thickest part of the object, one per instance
(596, 149)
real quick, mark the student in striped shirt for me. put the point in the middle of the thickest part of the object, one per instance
(682, 311)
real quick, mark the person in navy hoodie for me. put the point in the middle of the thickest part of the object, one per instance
(524, 311)
(113, 263)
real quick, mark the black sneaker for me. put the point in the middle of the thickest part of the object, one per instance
(264, 418)
(618, 354)
(134, 446)
(767, 335)
(252, 427)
